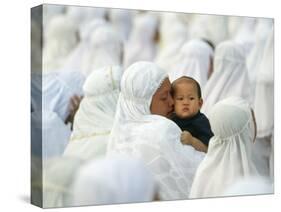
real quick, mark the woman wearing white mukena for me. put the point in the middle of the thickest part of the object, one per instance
(229, 157)
(94, 118)
(142, 129)
(230, 75)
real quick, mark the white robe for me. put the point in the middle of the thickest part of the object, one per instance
(94, 118)
(152, 138)
(229, 78)
(194, 61)
(229, 154)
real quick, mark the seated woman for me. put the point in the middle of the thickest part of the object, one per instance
(94, 118)
(229, 156)
(142, 129)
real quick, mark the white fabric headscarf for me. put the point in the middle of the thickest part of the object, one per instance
(264, 93)
(114, 180)
(57, 90)
(122, 21)
(262, 32)
(152, 138)
(193, 61)
(173, 34)
(106, 49)
(94, 118)
(141, 45)
(230, 76)
(244, 35)
(60, 39)
(49, 134)
(211, 27)
(74, 60)
(229, 154)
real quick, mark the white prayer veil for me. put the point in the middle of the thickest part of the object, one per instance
(210, 27)
(264, 98)
(106, 49)
(173, 33)
(230, 149)
(193, 61)
(49, 134)
(244, 35)
(114, 180)
(94, 118)
(141, 45)
(60, 39)
(230, 76)
(74, 60)
(122, 21)
(262, 32)
(152, 138)
(57, 90)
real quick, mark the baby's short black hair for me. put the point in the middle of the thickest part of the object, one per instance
(173, 90)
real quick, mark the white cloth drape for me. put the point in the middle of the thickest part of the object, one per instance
(94, 118)
(152, 138)
(59, 41)
(114, 180)
(105, 49)
(264, 109)
(173, 34)
(193, 61)
(230, 149)
(229, 78)
(141, 44)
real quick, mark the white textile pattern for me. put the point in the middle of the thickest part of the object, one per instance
(229, 155)
(193, 61)
(94, 118)
(152, 138)
(230, 76)
(118, 179)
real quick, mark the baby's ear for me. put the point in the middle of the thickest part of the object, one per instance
(200, 102)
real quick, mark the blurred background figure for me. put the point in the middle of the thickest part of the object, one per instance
(141, 45)
(113, 180)
(94, 118)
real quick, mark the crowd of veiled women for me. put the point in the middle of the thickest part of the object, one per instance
(100, 99)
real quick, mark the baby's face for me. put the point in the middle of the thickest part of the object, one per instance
(186, 100)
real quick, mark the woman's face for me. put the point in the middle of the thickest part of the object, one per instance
(162, 102)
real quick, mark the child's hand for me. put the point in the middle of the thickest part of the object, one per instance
(186, 138)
